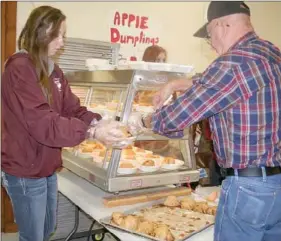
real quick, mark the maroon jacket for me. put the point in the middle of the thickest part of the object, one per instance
(33, 132)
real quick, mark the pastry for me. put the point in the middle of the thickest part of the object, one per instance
(169, 160)
(117, 218)
(211, 210)
(149, 155)
(172, 201)
(146, 227)
(162, 232)
(87, 149)
(188, 198)
(201, 207)
(140, 150)
(102, 153)
(148, 163)
(188, 204)
(130, 222)
(128, 152)
(99, 146)
(126, 165)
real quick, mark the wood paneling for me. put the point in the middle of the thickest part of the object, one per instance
(8, 47)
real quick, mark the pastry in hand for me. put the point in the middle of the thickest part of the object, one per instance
(130, 222)
(125, 131)
(146, 227)
(172, 201)
(163, 232)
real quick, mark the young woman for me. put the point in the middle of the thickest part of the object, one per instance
(155, 53)
(40, 115)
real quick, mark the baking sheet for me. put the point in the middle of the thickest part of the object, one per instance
(107, 221)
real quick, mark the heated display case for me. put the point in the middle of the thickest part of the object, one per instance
(152, 160)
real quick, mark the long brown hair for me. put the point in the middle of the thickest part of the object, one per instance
(35, 40)
(152, 52)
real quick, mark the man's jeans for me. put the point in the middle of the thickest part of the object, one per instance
(34, 204)
(249, 209)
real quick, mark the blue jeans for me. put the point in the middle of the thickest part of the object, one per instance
(249, 209)
(34, 204)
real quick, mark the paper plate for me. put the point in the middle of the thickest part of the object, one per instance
(126, 171)
(85, 154)
(156, 167)
(177, 165)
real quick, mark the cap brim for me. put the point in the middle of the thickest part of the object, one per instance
(202, 32)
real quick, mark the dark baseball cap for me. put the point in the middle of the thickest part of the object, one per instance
(218, 9)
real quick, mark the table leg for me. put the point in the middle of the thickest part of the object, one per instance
(90, 230)
(76, 224)
(115, 237)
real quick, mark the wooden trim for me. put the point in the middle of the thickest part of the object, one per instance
(8, 47)
(8, 29)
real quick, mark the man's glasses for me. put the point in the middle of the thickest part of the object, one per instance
(208, 39)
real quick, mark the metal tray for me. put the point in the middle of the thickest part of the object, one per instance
(107, 222)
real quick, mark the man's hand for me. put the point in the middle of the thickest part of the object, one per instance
(110, 134)
(168, 89)
(162, 95)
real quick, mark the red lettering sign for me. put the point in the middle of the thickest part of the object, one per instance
(131, 21)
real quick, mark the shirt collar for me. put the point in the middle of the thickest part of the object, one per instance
(244, 40)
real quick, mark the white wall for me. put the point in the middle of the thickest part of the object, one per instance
(173, 22)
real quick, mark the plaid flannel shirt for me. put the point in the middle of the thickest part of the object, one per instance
(240, 93)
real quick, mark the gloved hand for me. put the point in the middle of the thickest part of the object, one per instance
(135, 123)
(110, 134)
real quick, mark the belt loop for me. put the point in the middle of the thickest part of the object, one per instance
(264, 177)
(236, 174)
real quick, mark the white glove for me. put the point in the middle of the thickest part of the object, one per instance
(110, 134)
(135, 123)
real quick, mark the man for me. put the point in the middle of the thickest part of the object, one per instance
(240, 93)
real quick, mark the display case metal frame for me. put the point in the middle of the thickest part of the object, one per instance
(128, 82)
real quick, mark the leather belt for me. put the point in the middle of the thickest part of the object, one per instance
(252, 171)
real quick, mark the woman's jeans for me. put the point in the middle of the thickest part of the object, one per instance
(34, 204)
(249, 209)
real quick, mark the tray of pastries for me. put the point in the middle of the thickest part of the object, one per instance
(175, 219)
